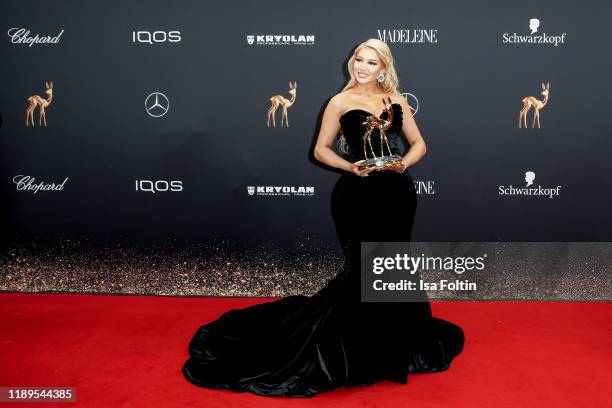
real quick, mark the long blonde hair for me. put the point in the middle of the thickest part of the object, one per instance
(390, 83)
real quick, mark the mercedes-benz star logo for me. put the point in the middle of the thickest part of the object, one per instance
(413, 102)
(157, 104)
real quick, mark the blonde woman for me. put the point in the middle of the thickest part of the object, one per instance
(300, 346)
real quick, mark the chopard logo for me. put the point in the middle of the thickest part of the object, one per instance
(22, 36)
(27, 183)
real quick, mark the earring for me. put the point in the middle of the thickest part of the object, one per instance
(381, 77)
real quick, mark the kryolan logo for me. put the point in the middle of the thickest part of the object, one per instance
(550, 192)
(22, 36)
(281, 190)
(404, 262)
(27, 183)
(156, 37)
(159, 186)
(282, 39)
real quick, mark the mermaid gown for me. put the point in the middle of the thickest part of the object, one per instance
(299, 346)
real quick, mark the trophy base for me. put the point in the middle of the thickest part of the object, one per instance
(381, 162)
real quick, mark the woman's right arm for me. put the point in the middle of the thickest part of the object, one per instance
(330, 126)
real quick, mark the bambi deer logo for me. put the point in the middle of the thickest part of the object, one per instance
(280, 100)
(532, 101)
(35, 101)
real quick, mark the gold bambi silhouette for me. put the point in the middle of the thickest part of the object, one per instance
(371, 123)
(284, 102)
(530, 101)
(35, 101)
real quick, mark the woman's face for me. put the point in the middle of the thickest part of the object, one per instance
(367, 65)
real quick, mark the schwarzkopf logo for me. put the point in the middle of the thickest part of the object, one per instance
(21, 36)
(534, 25)
(280, 39)
(550, 192)
(27, 183)
(402, 35)
(280, 190)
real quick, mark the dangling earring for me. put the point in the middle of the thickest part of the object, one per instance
(381, 77)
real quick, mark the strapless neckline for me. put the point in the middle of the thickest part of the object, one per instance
(363, 110)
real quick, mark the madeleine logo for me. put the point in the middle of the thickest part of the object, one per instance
(280, 100)
(408, 36)
(532, 37)
(533, 102)
(424, 187)
(38, 101)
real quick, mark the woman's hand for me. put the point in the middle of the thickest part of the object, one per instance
(400, 167)
(362, 172)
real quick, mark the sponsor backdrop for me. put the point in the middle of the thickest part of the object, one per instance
(158, 147)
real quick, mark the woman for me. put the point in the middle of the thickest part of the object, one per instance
(300, 346)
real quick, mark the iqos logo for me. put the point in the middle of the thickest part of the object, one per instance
(158, 186)
(156, 37)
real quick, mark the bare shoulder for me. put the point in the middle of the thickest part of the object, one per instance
(337, 102)
(339, 98)
(399, 98)
(396, 98)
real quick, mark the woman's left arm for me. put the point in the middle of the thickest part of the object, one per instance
(411, 132)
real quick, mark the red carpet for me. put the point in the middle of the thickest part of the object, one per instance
(127, 351)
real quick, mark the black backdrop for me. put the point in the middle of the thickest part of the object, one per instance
(468, 82)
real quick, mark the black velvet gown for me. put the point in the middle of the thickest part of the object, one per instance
(300, 346)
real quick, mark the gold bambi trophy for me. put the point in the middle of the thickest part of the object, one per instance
(370, 124)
